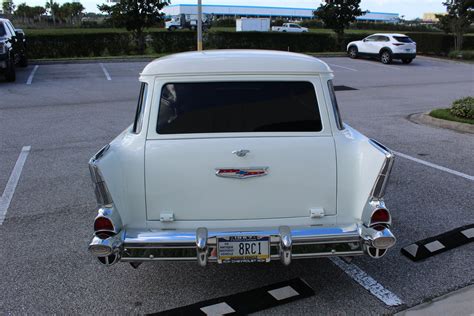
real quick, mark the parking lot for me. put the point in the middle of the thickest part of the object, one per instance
(66, 112)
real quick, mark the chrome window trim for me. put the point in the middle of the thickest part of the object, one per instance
(139, 114)
(335, 106)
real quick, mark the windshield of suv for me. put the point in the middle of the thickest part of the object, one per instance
(403, 39)
(233, 107)
(2, 30)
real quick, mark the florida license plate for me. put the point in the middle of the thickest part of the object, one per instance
(237, 249)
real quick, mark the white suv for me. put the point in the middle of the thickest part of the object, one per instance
(384, 46)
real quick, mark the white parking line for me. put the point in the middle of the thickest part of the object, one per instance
(352, 69)
(375, 63)
(432, 165)
(367, 282)
(106, 73)
(7, 195)
(30, 78)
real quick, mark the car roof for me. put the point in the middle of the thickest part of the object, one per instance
(389, 34)
(233, 61)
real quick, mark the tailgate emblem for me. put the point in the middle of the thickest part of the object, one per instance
(241, 173)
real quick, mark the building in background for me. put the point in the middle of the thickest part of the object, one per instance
(430, 17)
(268, 8)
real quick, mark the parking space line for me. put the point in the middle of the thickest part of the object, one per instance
(352, 69)
(30, 77)
(379, 64)
(7, 195)
(432, 165)
(106, 73)
(367, 282)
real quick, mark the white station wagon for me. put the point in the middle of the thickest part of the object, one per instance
(239, 156)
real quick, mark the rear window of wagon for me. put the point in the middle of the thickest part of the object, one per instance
(233, 107)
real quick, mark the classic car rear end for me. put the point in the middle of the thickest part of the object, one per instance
(239, 156)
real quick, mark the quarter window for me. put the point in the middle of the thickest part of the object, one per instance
(337, 114)
(138, 123)
(403, 39)
(238, 107)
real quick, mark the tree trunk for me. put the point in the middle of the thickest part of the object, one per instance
(140, 41)
(458, 41)
(339, 39)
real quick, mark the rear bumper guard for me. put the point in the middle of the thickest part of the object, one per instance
(200, 245)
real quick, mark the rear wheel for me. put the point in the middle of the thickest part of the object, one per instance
(172, 28)
(407, 60)
(353, 52)
(386, 57)
(10, 73)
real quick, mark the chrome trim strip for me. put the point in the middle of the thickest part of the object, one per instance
(378, 189)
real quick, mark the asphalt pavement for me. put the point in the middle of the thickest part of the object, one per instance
(66, 112)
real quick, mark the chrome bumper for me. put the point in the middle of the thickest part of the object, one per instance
(199, 245)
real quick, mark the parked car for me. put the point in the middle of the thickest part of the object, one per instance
(12, 49)
(386, 47)
(290, 28)
(183, 21)
(239, 156)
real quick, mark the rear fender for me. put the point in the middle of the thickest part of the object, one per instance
(359, 165)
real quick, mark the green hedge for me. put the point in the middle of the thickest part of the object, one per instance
(79, 45)
(115, 44)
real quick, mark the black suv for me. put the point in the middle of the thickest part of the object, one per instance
(12, 49)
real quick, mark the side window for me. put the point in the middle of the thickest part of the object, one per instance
(371, 39)
(3, 31)
(383, 39)
(337, 114)
(138, 123)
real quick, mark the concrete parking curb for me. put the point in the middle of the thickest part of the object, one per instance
(426, 119)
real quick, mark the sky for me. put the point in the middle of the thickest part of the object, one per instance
(409, 8)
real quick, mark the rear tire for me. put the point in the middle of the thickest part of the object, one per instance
(10, 73)
(386, 57)
(407, 60)
(172, 28)
(353, 52)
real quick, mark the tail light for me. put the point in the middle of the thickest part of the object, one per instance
(103, 223)
(380, 215)
(398, 44)
(103, 227)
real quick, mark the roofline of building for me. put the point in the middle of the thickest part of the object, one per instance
(260, 7)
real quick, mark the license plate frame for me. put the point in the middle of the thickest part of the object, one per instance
(258, 253)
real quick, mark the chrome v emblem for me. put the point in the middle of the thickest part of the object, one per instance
(241, 173)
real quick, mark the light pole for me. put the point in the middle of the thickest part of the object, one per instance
(199, 26)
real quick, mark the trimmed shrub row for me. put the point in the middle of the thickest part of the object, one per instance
(115, 44)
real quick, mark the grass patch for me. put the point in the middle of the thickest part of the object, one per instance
(445, 114)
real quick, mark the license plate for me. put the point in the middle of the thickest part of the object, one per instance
(236, 249)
